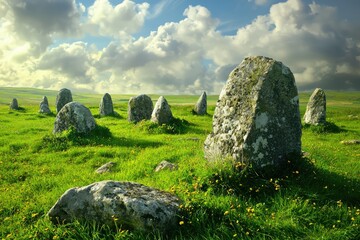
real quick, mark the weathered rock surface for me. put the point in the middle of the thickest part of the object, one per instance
(162, 113)
(64, 96)
(14, 104)
(257, 119)
(105, 168)
(106, 107)
(166, 165)
(74, 115)
(140, 108)
(316, 108)
(44, 106)
(201, 105)
(126, 204)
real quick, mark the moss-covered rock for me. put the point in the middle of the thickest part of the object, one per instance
(257, 119)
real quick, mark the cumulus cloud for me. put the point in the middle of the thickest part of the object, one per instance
(187, 56)
(121, 20)
(37, 22)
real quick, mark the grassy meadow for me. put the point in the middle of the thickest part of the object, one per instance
(316, 198)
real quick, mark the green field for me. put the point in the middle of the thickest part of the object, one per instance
(318, 198)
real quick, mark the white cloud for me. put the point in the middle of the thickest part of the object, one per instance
(121, 20)
(259, 2)
(188, 56)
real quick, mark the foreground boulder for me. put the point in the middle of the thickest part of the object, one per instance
(14, 104)
(316, 108)
(44, 106)
(74, 115)
(201, 105)
(126, 204)
(64, 96)
(140, 108)
(162, 113)
(106, 107)
(256, 120)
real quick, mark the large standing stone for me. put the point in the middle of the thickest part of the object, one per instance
(316, 108)
(14, 104)
(126, 204)
(106, 105)
(201, 105)
(257, 119)
(64, 96)
(162, 113)
(44, 106)
(140, 108)
(74, 115)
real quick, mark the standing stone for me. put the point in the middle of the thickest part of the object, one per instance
(162, 112)
(257, 119)
(106, 105)
(74, 115)
(64, 96)
(118, 204)
(14, 104)
(44, 106)
(316, 108)
(201, 105)
(140, 108)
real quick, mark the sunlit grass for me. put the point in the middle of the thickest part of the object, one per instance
(317, 198)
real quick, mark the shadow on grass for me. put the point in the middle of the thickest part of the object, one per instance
(328, 127)
(100, 136)
(299, 177)
(175, 126)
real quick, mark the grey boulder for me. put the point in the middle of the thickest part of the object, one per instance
(257, 119)
(64, 96)
(74, 115)
(126, 204)
(316, 108)
(140, 108)
(201, 105)
(14, 104)
(162, 113)
(44, 106)
(106, 107)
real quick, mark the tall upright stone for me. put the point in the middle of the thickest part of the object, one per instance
(64, 96)
(44, 106)
(201, 105)
(140, 108)
(162, 113)
(316, 108)
(257, 120)
(14, 104)
(74, 115)
(106, 105)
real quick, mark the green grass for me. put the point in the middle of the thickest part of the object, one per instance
(317, 198)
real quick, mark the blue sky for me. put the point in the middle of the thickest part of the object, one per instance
(174, 46)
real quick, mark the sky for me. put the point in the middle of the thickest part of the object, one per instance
(174, 46)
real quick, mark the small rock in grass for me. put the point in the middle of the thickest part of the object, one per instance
(350, 142)
(105, 168)
(166, 165)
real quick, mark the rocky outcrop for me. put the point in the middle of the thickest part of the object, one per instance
(123, 204)
(256, 120)
(201, 105)
(106, 107)
(162, 113)
(64, 96)
(74, 115)
(140, 108)
(316, 108)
